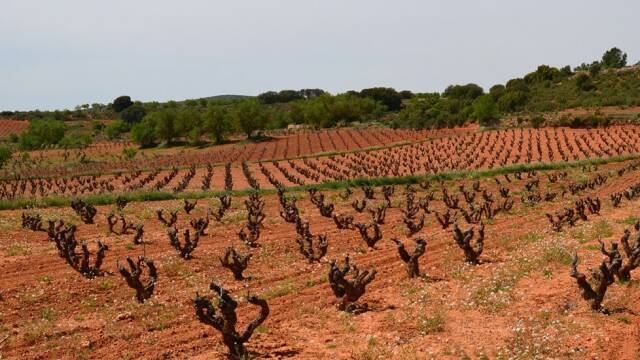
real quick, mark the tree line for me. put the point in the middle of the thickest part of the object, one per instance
(212, 120)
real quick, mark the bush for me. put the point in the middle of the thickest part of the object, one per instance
(583, 82)
(76, 141)
(536, 121)
(5, 154)
(144, 133)
(129, 153)
(97, 126)
(116, 128)
(589, 121)
(41, 133)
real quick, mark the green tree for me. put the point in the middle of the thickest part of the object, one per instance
(512, 101)
(497, 91)
(248, 116)
(316, 113)
(121, 103)
(389, 97)
(463, 92)
(165, 125)
(216, 123)
(144, 132)
(187, 121)
(133, 113)
(614, 58)
(485, 111)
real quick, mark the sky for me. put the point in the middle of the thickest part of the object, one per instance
(62, 53)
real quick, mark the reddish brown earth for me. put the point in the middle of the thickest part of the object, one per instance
(518, 303)
(106, 159)
(8, 127)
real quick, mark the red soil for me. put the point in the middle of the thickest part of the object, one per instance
(8, 127)
(519, 303)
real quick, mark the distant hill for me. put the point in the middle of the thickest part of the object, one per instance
(227, 97)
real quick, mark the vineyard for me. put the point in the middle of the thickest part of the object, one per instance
(100, 158)
(193, 172)
(520, 262)
(9, 127)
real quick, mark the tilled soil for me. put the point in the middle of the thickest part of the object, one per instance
(518, 303)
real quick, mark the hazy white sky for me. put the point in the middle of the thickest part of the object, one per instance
(61, 53)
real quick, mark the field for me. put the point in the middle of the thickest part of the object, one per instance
(537, 196)
(402, 154)
(8, 127)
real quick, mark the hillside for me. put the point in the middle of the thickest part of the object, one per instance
(615, 87)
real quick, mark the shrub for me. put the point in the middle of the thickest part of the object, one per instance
(40, 133)
(144, 133)
(536, 121)
(76, 141)
(129, 153)
(5, 154)
(583, 82)
(116, 128)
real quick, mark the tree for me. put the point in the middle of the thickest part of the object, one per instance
(316, 114)
(406, 94)
(497, 91)
(121, 103)
(389, 97)
(614, 58)
(283, 96)
(545, 73)
(512, 101)
(216, 123)
(248, 116)
(595, 68)
(311, 93)
(144, 132)
(189, 123)
(165, 121)
(133, 113)
(484, 110)
(463, 92)
(269, 97)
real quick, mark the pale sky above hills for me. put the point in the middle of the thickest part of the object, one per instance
(58, 54)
